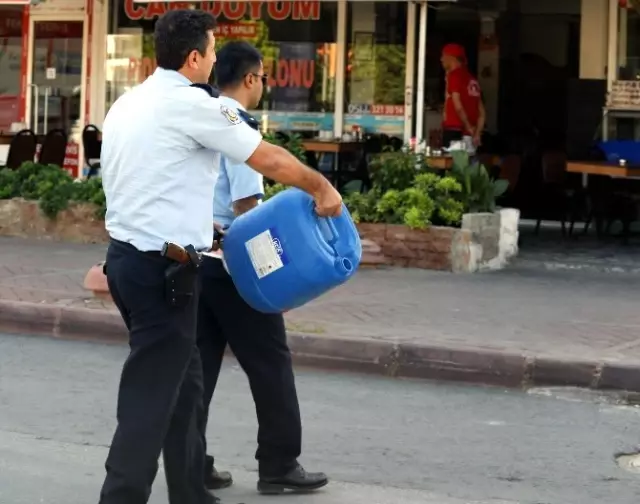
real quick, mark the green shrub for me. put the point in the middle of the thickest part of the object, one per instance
(479, 191)
(395, 169)
(273, 189)
(52, 187)
(429, 199)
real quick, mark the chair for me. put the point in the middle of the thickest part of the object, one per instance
(359, 178)
(558, 196)
(509, 170)
(22, 149)
(92, 146)
(54, 148)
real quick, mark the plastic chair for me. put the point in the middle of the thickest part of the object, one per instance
(54, 148)
(22, 149)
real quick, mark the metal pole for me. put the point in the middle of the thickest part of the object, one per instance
(47, 90)
(612, 44)
(341, 44)
(35, 113)
(410, 72)
(422, 57)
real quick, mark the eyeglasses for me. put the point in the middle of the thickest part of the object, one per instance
(263, 77)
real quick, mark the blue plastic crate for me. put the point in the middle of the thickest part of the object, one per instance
(615, 150)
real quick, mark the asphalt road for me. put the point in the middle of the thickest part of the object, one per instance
(382, 441)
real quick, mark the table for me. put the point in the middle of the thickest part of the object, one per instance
(439, 162)
(446, 162)
(331, 146)
(604, 168)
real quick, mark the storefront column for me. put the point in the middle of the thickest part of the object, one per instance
(422, 58)
(622, 37)
(612, 62)
(593, 38)
(98, 62)
(612, 44)
(409, 72)
(341, 70)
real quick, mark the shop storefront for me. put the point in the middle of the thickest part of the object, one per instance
(314, 84)
(332, 64)
(46, 61)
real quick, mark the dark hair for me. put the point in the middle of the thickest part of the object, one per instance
(234, 61)
(179, 32)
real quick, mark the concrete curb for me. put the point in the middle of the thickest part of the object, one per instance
(362, 355)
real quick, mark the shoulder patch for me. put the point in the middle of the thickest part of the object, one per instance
(230, 115)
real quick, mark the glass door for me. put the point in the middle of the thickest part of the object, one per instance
(56, 76)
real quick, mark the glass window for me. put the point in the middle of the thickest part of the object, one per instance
(296, 38)
(629, 44)
(10, 65)
(376, 62)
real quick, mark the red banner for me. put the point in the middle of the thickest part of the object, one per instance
(9, 111)
(71, 162)
(233, 11)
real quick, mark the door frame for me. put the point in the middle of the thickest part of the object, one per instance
(36, 18)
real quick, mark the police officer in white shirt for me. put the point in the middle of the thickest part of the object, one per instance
(162, 143)
(258, 340)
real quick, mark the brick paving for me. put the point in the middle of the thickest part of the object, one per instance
(563, 313)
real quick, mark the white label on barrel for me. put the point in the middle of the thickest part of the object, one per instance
(263, 253)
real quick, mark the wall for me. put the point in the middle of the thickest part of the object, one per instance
(593, 39)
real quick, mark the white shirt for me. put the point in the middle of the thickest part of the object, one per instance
(236, 181)
(161, 146)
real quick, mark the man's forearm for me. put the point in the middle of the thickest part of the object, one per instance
(281, 166)
(462, 115)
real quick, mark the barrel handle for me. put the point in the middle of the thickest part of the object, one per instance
(333, 230)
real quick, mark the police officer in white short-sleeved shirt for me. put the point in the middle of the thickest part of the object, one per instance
(162, 143)
(258, 340)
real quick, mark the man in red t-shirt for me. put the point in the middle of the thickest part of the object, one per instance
(464, 113)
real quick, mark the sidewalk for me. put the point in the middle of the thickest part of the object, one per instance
(517, 327)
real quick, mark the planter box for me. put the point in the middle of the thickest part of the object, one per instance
(77, 224)
(485, 241)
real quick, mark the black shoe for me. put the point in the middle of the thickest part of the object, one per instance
(215, 480)
(297, 480)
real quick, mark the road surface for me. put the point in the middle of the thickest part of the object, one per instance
(381, 441)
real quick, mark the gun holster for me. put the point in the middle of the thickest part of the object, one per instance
(181, 280)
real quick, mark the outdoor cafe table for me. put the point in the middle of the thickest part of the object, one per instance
(446, 162)
(603, 168)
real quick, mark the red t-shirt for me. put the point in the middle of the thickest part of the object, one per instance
(462, 82)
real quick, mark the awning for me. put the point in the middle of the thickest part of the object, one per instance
(186, 2)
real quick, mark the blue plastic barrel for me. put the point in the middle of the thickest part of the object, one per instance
(281, 255)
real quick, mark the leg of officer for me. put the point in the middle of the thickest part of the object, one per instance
(212, 344)
(159, 389)
(258, 341)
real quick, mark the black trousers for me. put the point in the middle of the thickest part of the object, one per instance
(259, 342)
(450, 135)
(160, 395)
